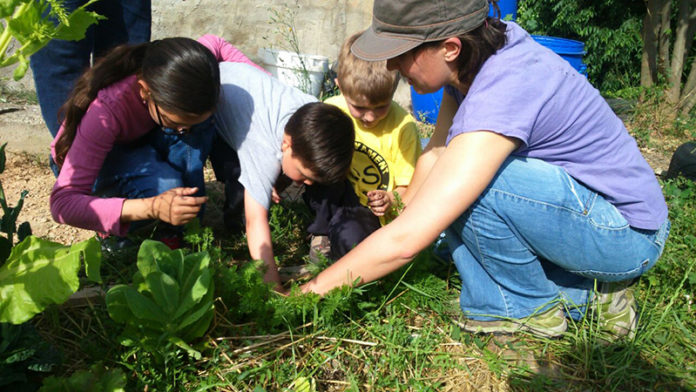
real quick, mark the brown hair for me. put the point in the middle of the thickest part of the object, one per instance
(322, 139)
(369, 80)
(175, 69)
(477, 46)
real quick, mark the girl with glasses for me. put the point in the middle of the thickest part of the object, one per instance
(136, 131)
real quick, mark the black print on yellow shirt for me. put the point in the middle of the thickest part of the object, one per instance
(369, 169)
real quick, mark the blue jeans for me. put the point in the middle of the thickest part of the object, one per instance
(536, 236)
(57, 66)
(156, 163)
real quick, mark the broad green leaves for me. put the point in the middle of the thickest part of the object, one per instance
(171, 297)
(39, 273)
(96, 379)
(29, 23)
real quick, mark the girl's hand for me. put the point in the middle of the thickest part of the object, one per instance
(176, 206)
(379, 201)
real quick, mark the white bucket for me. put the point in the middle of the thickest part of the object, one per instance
(287, 67)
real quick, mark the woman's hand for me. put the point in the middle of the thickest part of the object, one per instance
(176, 206)
(379, 201)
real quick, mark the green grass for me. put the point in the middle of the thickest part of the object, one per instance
(396, 334)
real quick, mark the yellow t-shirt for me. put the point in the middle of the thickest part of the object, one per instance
(385, 156)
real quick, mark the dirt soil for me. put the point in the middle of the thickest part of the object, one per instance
(27, 168)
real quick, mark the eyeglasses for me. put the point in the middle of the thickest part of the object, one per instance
(171, 131)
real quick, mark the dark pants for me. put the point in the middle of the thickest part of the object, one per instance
(340, 216)
(225, 162)
(57, 66)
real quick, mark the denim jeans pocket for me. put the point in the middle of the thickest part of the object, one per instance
(605, 215)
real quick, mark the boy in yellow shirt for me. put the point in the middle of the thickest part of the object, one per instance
(386, 149)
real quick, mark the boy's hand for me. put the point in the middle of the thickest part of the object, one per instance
(379, 201)
(275, 197)
(271, 276)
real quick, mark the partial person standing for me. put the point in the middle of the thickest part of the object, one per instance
(60, 63)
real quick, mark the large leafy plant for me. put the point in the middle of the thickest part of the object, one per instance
(39, 273)
(31, 23)
(96, 379)
(170, 301)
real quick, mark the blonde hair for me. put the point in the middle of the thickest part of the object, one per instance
(369, 80)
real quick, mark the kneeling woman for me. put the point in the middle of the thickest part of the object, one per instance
(539, 186)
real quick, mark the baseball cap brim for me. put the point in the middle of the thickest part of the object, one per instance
(372, 47)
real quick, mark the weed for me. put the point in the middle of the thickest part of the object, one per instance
(397, 333)
(283, 20)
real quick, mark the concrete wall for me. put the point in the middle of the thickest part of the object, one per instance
(321, 25)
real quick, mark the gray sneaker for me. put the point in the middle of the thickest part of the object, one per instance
(549, 324)
(616, 309)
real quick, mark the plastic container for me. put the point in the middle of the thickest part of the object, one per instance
(571, 50)
(508, 10)
(288, 68)
(426, 106)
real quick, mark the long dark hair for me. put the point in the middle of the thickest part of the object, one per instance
(182, 75)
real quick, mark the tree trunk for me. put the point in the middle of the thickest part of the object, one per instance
(648, 69)
(688, 98)
(663, 39)
(678, 54)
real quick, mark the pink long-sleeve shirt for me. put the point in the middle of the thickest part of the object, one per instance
(117, 115)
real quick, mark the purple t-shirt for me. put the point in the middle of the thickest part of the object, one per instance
(528, 92)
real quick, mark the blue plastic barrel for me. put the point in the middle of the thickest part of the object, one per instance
(508, 10)
(571, 50)
(426, 106)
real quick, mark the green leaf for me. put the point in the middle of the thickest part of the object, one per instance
(181, 344)
(201, 310)
(92, 256)
(150, 251)
(29, 26)
(164, 290)
(37, 273)
(144, 308)
(21, 69)
(192, 294)
(116, 304)
(7, 7)
(96, 379)
(78, 22)
(199, 327)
